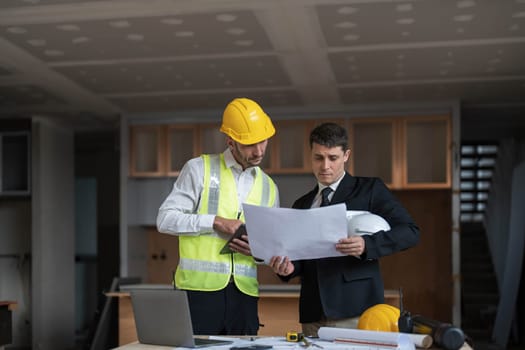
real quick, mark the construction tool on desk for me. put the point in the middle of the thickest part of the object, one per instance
(297, 337)
(404, 323)
(293, 336)
(444, 335)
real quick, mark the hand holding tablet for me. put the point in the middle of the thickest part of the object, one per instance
(238, 234)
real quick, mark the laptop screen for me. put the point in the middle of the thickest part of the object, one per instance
(162, 317)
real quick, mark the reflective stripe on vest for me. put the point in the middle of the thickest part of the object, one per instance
(201, 266)
(216, 267)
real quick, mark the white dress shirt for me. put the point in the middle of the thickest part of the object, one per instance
(178, 213)
(319, 198)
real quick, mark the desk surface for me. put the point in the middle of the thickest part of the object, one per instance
(278, 309)
(138, 346)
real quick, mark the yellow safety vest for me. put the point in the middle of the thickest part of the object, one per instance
(201, 266)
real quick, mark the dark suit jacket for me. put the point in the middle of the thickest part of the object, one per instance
(343, 287)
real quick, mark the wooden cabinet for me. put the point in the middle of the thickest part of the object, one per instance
(182, 145)
(426, 152)
(163, 257)
(372, 145)
(288, 148)
(212, 140)
(162, 150)
(405, 152)
(147, 151)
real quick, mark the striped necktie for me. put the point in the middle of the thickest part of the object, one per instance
(325, 193)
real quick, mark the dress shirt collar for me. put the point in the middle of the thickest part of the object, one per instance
(332, 186)
(232, 163)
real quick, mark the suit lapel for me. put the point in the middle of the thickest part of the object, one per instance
(344, 190)
(309, 199)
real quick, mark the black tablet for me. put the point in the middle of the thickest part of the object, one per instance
(240, 231)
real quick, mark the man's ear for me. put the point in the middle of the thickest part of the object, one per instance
(347, 154)
(229, 142)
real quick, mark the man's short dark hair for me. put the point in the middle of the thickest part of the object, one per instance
(329, 135)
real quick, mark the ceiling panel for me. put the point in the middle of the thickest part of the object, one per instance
(22, 3)
(179, 103)
(454, 62)
(194, 34)
(373, 23)
(181, 75)
(97, 60)
(510, 91)
(5, 71)
(27, 95)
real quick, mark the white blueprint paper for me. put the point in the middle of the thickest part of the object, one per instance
(295, 233)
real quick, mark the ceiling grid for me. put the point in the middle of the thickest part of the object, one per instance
(75, 58)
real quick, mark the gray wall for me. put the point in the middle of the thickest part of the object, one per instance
(53, 238)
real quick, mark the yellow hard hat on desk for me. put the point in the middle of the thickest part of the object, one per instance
(246, 122)
(380, 317)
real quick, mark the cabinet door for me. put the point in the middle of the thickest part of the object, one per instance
(147, 150)
(291, 152)
(427, 152)
(182, 146)
(163, 256)
(212, 141)
(373, 151)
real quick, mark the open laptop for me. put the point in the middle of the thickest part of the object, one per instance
(162, 317)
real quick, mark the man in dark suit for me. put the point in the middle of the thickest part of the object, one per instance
(335, 291)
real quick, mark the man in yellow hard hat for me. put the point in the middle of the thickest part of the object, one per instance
(204, 209)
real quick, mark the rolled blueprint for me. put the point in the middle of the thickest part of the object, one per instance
(375, 338)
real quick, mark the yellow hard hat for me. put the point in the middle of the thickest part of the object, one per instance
(380, 317)
(245, 122)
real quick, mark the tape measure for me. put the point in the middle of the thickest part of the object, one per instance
(295, 337)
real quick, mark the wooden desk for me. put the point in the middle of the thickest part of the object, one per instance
(127, 332)
(278, 311)
(6, 333)
(138, 346)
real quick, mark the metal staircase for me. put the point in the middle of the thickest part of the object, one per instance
(479, 285)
